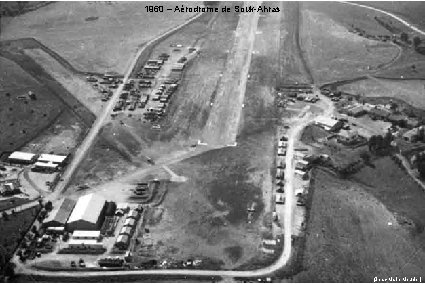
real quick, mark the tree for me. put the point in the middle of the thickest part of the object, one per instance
(421, 166)
(416, 41)
(5, 215)
(404, 37)
(421, 134)
(48, 206)
(387, 139)
(9, 269)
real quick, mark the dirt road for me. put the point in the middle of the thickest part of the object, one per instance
(103, 117)
(404, 22)
(222, 124)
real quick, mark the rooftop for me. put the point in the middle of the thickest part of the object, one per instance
(51, 158)
(86, 234)
(88, 208)
(61, 213)
(17, 155)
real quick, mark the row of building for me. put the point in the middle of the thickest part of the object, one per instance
(43, 162)
(380, 112)
(128, 229)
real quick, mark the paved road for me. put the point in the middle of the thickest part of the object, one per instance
(103, 117)
(404, 22)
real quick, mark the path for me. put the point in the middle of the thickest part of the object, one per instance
(410, 172)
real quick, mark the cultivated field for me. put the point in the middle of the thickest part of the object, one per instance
(353, 237)
(334, 53)
(95, 36)
(410, 91)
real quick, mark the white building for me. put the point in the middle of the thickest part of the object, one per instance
(88, 213)
(45, 167)
(86, 235)
(21, 157)
(55, 159)
(327, 123)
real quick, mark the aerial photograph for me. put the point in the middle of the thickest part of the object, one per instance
(212, 141)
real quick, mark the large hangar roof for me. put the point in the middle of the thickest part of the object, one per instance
(88, 208)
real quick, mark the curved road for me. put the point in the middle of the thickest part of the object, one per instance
(404, 22)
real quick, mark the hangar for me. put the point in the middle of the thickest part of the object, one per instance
(21, 157)
(54, 159)
(88, 213)
(60, 214)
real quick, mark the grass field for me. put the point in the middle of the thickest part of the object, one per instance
(206, 217)
(336, 54)
(399, 193)
(94, 36)
(23, 120)
(353, 237)
(411, 11)
(75, 84)
(294, 68)
(8, 203)
(410, 91)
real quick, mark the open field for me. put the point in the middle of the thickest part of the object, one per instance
(61, 137)
(22, 120)
(74, 83)
(410, 91)
(104, 163)
(206, 217)
(399, 193)
(353, 237)
(94, 36)
(411, 11)
(334, 53)
(294, 69)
